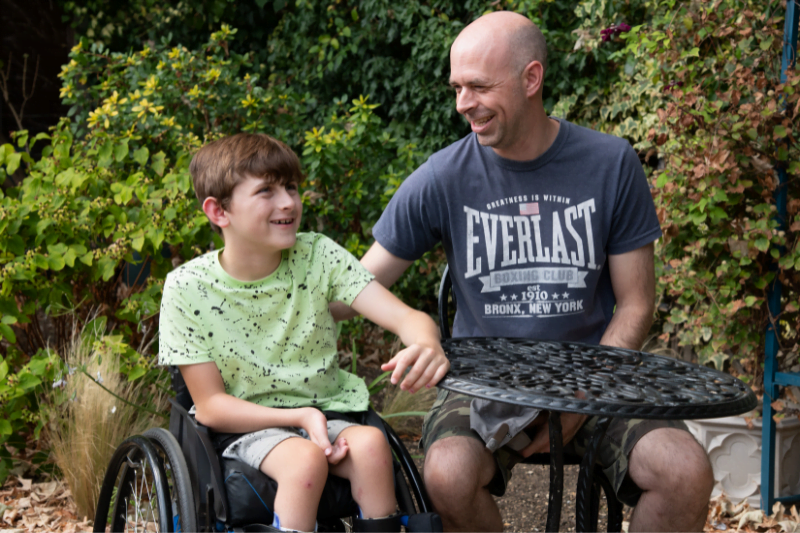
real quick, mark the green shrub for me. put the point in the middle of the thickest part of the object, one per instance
(398, 53)
(112, 187)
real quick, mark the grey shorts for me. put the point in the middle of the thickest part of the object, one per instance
(254, 447)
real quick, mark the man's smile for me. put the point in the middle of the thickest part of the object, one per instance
(480, 123)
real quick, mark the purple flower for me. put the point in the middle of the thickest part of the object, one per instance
(613, 30)
(672, 84)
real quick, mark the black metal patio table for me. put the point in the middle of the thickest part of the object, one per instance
(611, 382)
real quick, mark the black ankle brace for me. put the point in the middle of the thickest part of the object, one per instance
(377, 525)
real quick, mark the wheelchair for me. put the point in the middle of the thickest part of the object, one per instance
(177, 480)
(446, 306)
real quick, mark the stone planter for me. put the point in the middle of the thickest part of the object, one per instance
(735, 454)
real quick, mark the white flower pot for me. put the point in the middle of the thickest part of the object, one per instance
(735, 454)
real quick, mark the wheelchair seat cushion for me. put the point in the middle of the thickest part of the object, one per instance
(251, 495)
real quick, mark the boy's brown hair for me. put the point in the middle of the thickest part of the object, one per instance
(219, 166)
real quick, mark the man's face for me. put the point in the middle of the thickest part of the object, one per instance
(489, 93)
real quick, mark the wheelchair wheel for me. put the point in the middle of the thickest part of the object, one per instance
(135, 489)
(180, 486)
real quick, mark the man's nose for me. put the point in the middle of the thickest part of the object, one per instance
(465, 100)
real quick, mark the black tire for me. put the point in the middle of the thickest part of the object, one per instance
(184, 515)
(135, 489)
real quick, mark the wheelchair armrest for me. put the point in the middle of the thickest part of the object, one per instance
(407, 464)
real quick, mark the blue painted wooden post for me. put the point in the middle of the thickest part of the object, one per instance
(772, 378)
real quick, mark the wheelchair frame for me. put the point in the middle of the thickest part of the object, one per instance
(193, 498)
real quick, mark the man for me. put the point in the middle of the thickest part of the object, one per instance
(548, 230)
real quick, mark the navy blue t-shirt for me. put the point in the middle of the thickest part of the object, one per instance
(527, 242)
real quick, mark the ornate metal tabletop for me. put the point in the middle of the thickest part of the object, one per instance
(611, 381)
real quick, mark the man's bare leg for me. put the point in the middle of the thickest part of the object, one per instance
(457, 471)
(674, 472)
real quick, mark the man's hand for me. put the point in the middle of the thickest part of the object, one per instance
(428, 365)
(570, 424)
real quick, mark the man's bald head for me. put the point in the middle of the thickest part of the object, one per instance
(511, 34)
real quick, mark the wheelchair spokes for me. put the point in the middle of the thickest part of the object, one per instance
(141, 502)
(136, 508)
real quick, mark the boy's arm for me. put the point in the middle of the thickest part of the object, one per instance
(227, 414)
(423, 355)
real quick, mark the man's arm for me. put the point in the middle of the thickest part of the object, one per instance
(385, 266)
(634, 283)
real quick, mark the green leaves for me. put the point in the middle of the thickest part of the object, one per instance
(158, 163)
(723, 129)
(105, 154)
(141, 155)
(9, 335)
(121, 151)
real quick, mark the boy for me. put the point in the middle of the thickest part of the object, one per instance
(250, 329)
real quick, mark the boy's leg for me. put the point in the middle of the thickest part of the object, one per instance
(300, 468)
(368, 466)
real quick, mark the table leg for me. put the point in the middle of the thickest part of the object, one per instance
(556, 473)
(583, 497)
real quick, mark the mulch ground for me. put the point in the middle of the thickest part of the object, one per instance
(28, 506)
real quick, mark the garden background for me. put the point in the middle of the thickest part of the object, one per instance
(96, 205)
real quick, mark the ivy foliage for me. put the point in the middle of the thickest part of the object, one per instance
(725, 124)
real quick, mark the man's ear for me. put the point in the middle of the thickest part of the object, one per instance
(534, 78)
(215, 213)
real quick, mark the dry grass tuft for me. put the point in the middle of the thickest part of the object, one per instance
(86, 423)
(400, 401)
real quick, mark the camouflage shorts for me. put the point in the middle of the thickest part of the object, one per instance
(449, 417)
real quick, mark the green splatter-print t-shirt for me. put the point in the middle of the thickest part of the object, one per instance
(273, 340)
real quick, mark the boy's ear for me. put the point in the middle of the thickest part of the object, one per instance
(214, 211)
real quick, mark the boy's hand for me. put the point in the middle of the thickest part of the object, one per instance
(316, 425)
(340, 448)
(427, 366)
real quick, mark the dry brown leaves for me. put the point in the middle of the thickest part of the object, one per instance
(723, 515)
(41, 507)
(48, 507)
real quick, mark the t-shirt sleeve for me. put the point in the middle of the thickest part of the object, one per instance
(412, 222)
(346, 276)
(181, 339)
(635, 222)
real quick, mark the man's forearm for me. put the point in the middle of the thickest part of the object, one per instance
(628, 328)
(386, 268)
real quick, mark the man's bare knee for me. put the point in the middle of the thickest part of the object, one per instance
(671, 460)
(457, 471)
(458, 465)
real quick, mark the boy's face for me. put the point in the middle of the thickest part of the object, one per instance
(264, 217)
